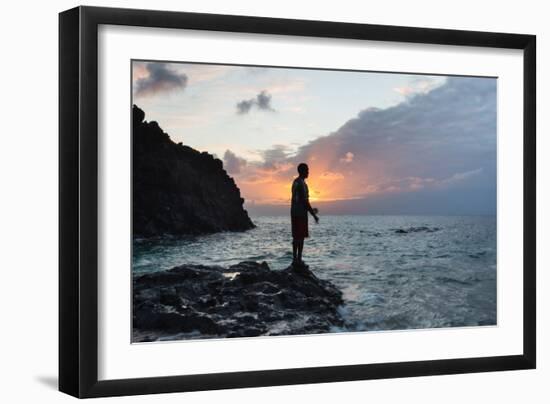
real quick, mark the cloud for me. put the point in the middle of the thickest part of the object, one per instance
(444, 137)
(458, 177)
(417, 86)
(261, 102)
(447, 130)
(417, 183)
(348, 158)
(233, 164)
(244, 106)
(441, 142)
(331, 176)
(276, 156)
(154, 78)
(139, 70)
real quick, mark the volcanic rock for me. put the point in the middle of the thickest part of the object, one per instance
(244, 300)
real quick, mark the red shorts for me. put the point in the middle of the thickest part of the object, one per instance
(299, 227)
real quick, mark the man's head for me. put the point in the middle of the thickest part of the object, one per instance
(303, 170)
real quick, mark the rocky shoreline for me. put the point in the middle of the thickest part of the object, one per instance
(245, 300)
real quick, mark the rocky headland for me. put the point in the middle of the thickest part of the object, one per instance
(178, 190)
(244, 300)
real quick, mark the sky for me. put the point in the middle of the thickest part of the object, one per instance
(376, 143)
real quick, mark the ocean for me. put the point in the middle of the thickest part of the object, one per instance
(395, 272)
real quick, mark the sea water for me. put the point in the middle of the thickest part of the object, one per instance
(395, 272)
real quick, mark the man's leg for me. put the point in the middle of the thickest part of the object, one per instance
(300, 249)
(294, 250)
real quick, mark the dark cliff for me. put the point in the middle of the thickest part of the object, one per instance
(179, 190)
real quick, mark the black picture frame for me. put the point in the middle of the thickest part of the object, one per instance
(78, 200)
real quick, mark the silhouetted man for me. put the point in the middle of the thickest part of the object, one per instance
(299, 209)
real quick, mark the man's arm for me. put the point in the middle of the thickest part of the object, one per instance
(311, 210)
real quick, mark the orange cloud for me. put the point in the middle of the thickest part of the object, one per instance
(330, 176)
(389, 151)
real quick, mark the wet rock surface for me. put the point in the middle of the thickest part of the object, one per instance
(244, 300)
(418, 229)
(179, 190)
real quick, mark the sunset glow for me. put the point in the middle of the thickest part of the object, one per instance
(365, 136)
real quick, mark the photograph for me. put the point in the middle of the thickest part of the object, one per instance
(293, 199)
(271, 201)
